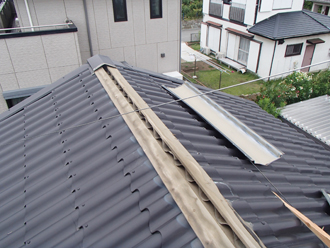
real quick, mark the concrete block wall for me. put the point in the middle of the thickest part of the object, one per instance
(32, 61)
(138, 41)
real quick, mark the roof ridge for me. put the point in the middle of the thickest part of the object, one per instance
(154, 130)
(306, 13)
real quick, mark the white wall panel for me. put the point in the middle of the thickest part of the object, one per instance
(144, 58)
(231, 45)
(5, 61)
(29, 79)
(170, 61)
(266, 5)
(203, 35)
(8, 82)
(282, 4)
(253, 56)
(214, 39)
(27, 54)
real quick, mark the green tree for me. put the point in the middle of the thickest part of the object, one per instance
(298, 86)
(308, 5)
(192, 9)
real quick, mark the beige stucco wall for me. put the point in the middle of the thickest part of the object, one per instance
(139, 41)
(32, 61)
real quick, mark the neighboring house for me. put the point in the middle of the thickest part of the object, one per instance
(312, 116)
(78, 171)
(250, 37)
(144, 33)
(292, 40)
(321, 6)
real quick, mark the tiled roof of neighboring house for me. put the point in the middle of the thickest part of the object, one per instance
(92, 185)
(312, 115)
(292, 24)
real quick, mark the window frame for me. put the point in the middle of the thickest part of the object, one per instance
(289, 54)
(242, 51)
(152, 14)
(122, 19)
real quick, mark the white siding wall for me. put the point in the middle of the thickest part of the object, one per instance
(226, 9)
(203, 35)
(118, 40)
(214, 39)
(37, 60)
(267, 7)
(253, 56)
(206, 6)
(283, 64)
(250, 10)
(224, 34)
(265, 56)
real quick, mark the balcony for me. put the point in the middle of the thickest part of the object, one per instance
(216, 10)
(32, 57)
(237, 12)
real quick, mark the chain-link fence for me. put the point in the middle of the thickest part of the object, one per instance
(194, 37)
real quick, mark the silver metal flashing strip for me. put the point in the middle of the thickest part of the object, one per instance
(256, 148)
(98, 61)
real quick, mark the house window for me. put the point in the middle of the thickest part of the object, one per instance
(243, 50)
(156, 9)
(292, 50)
(119, 10)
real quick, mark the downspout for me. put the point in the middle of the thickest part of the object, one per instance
(271, 66)
(29, 14)
(257, 10)
(180, 36)
(88, 29)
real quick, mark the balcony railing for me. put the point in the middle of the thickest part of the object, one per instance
(38, 30)
(237, 12)
(216, 10)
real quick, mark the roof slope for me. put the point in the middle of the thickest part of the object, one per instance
(312, 115)
(90, 185)
(299, 175)
(292, 24)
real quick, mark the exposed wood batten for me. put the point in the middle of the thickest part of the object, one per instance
(207, 211)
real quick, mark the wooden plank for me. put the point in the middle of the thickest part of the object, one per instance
(195, 170)
(322, 235)
(199, 218)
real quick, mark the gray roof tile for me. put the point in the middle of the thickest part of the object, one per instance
(292, 24)
(97, 188)
(90, 185)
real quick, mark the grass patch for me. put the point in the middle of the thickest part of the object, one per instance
(211, 79)
(195, 46)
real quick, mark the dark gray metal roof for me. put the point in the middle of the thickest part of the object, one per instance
(86, 186)
(292, 24)
(93, 185)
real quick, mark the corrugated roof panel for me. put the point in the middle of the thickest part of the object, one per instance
(300, 174)
(237, 178)
(70, 185)
(312, 116)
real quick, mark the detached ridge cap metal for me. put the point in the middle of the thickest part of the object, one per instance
(255, 147)
(177, 168)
